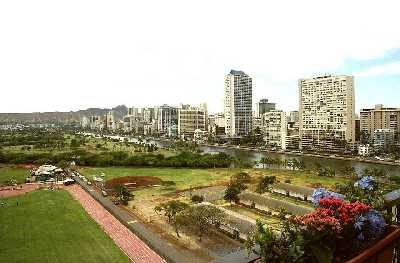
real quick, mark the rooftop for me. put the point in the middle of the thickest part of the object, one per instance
(237, 72)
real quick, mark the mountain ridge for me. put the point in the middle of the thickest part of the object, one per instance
(59, 116)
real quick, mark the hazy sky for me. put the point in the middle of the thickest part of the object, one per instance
(69, 55)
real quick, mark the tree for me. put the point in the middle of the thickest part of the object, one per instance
(235, 187)
(232, 193)
(349, 171)
(171, 209)
(11, 182)
(264, 184)
(242, 177)
(123, 194)
(201, 219)
(326, 172)
(375, 172)
(365, 137)
(74, 143)
(197, 199)
(284, 247)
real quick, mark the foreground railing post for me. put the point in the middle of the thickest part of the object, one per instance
(392, 203)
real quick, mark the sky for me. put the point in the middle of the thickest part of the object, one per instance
(71, 55)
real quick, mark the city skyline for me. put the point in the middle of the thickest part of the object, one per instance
(54, 63)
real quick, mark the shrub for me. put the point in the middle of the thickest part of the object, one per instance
(197, 198)
(242, 177)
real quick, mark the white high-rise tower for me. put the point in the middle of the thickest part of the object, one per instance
(238, 103)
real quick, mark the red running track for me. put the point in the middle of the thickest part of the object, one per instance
(129, 243)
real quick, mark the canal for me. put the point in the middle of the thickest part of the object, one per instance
(254, 155)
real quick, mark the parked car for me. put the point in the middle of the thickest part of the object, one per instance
(104, 193)
(69, 181)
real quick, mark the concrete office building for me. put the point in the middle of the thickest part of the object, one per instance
(274, 127)
(216, 124)
(110, 121)
(238, 104)
(192, 118)
(380, 118)
(383, 138)
(166, 116)
(264, 106)
(293, 116)
(327, 112)
(95, 122)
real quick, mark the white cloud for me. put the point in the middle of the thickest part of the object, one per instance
(386, 69)
(85, 53)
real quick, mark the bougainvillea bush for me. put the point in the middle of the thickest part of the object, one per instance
(336, 231)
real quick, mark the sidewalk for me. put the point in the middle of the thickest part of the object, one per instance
(129, 243)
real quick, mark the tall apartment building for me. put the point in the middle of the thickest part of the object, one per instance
(293, 116)
(238, 103)
(192, 118)
(166, 117)
(216, 124)
(274, 127)
(327, 112)
(95, 122)
(148, 114)
(264, 106)
(380, 118)
(110, 123)
(383, 138)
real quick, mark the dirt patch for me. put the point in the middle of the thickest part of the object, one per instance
(9, 191)
(133, 181)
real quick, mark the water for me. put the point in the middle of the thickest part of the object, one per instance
(253, 155)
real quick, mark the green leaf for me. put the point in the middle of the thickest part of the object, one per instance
(322, 253)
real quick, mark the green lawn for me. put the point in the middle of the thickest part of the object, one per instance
(19, 174)
(184, 178)
(303, 178)
(50, 226)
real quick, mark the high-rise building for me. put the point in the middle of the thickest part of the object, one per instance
(166, 117)
(380, 118)
(274, 128)
(293, 116)
(264, 106)
(110, 123)
(95, 122)
(238, 103)
(327, 112)
(192, 118)
(133, 111)
(216, 124)
(148, 114)
(383, 138)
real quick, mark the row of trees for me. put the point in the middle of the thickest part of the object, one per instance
(292, 164)
(84, 158)
(239, 182)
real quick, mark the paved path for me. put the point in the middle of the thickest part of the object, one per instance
(129, 243)
(8, 192)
